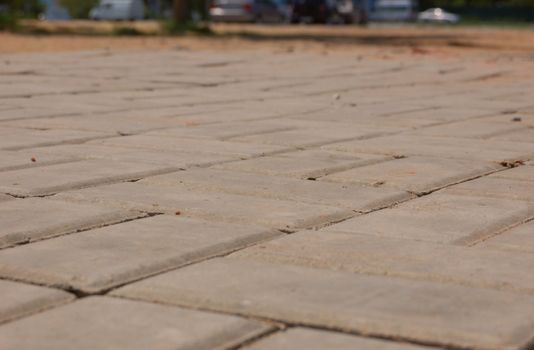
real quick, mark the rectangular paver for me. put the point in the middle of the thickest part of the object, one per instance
(351, 197)
(108, 323)
(213, 206)
(304, 164)
(309, 339)
(414, 174)
(518, 239)
(441, 218)
(398, 258)
(60, 177)
(20, 299)
(426, 312)
(99, 259)
(18, 138)
(32, 219)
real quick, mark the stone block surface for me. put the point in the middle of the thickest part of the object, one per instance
(441, 218)
(32, 219)
(60, 177)
(353, 197)
(11, 160)
(414, 174)
(303, 164)
(18, 138)
(279, 214)
(20, 300)
(99, 259)
(517, 239)
(110, 323)
(400, 258)
(303, 338)
(443, 147)
(441, 314)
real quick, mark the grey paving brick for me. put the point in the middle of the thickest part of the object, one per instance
(124, 154)
(516, 183)
(20, 299)
(10, 160)
(18, 138)
(351, 197)
(280, 214)
(303, 338)
(108, 323)
(303, 164)
(415, 174)
(60, 177)
(444, 147)
(441, 218)
(310, 137)
(392, 257)
(470, 129)
(517, 239)
(434, 313)
(99, 259)
(32, 219)
(156, 142)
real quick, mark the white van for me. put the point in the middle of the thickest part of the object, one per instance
(118, 10)
(394, 10)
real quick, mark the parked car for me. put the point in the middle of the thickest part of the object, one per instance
(394, 11)
(323, 11)
(249, 11)
(437, 15)
(118, 10)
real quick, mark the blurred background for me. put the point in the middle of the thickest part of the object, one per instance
(329, 12)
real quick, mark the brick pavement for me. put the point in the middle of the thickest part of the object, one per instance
(266, 200)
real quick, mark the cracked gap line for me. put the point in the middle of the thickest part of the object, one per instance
(136, 215)
(96, 183)
(51, 143)
(290, 324)
(276, 233)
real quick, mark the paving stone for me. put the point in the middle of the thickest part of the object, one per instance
(280, 214)
(414, 174)
(469, 129)
(32, 219)
(191, 145)
(434, 313)
(109, 323)
(17, 138)
(398, 258)
(523, 135)
(60, 177)
(303, 338)
(99, 259)
(303, 164)
(20, 299)
(310, 137)
(443, 147)
(4, 197)
(10, 160)
(230, 129)
(124, 154)
(516, 183)
(517, 239)
(313, 192)
(441, 218)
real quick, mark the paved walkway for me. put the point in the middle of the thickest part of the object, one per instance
(263, 200)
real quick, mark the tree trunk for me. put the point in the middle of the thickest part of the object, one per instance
(181, 11)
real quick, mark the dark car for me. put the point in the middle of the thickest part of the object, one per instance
(324, 11)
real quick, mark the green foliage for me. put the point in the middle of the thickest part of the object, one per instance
(21, 8)
(79, 8)
(8, 21)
